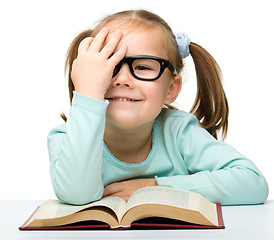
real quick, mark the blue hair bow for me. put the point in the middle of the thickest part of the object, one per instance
(183, 42)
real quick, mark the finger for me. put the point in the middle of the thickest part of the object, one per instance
(84, 45)
(98, 40)
(112, 188)
(120, 195)
(117, 57)
(112, 44)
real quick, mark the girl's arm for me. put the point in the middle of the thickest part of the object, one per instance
(217, 170)
(75, 151)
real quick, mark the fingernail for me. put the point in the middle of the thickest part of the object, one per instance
(105, 29)
(118, 32)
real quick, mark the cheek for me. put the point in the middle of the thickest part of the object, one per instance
(156, 92)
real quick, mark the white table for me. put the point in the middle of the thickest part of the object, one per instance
(241, 222)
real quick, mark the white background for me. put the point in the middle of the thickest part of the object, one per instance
(36, 34)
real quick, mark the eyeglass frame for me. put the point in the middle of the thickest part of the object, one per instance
(164, 63)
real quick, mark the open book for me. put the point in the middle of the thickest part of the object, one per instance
(147, 207)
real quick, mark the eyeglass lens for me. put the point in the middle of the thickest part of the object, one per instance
(143, 68)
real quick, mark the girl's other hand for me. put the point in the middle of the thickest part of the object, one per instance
(126, 188)
(92, 70)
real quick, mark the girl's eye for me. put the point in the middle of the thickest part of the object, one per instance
(142, 68)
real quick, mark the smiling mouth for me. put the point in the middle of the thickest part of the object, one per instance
(122, 99)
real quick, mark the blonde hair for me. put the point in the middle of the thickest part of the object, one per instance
(210, 105)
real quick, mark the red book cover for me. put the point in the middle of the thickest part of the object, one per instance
(144, 224)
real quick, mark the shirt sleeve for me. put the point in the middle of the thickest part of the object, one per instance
(217, 171)
(75, 151)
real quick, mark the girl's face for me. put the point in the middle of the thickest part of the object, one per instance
(132, 102)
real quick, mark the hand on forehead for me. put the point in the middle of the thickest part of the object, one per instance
(140, 41)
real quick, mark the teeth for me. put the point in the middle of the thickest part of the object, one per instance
(123, 99)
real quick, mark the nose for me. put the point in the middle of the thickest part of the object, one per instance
(124, 77)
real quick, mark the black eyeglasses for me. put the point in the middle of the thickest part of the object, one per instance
(145, 67)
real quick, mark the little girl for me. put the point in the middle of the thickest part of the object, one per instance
(122, 134)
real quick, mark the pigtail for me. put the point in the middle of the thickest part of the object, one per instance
(70, 57)
(210, 105)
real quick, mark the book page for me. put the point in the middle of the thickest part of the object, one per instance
(164, 195)
(174, 197)
(55, 209)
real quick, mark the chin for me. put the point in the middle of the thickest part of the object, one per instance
(126, 121)
(130, 118)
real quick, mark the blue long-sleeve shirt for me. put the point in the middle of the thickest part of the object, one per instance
(183, 155)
